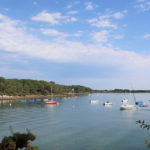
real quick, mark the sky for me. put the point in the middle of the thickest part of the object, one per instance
(102, 44)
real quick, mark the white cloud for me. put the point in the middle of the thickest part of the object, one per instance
(105, 23)
(146, 36)
(15, 39)
(72, 4)
(52, 32)
(60, 35)
(140, 0)
(73, 12)
(70, 19)
(19, 73)
(53, 18)
(69, 6)
(118, 37)
(101, 36)
(118, 15)
(143, 5)
(89, 6)
(78, 34)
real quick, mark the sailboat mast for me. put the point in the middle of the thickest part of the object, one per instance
(133, 94)
(51, 91)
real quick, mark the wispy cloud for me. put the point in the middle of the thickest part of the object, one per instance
(19, 73)
(140, 0)
(53, 32)
(73, 12)
(53, 18)
(105, 21)
(69, 6)
(78, 34)
(117, 15)
(6, 9)
(72, 4)
(77, 2)
(101, 36)
(60, 35)
(118, 37)
(146, 36)
(90, 6)
(143, 5)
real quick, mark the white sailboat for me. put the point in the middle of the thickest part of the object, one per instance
(126, 106)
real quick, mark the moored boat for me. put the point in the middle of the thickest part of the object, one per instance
(38, 100)
(51, 102)
(94, 101)
(31, 100)
(45, 99)
(23, 101)
(127, 107)
(107, 103)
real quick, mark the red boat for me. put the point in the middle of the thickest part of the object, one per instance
(51, 103)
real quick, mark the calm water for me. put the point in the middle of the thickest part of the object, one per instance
(75, 124)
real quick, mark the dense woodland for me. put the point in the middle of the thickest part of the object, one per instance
(33, 87)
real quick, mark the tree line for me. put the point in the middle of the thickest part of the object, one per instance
(34, 87)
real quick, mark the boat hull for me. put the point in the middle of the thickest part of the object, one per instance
(127, 107)
(51, 103)
(94, 101)
(107, 104)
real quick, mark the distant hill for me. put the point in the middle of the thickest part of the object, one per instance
(35, 87)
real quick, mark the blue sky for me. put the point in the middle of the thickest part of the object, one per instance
(103, 44)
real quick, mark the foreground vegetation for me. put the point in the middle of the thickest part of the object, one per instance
(18, 141)
(144, 126)
(33, 87)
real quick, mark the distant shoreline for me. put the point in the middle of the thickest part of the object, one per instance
(123, 91)
(27, 97)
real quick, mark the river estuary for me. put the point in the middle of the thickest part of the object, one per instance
(75, 124)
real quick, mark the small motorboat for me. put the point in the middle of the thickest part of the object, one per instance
(143, 105)
(107, 103)
(51, 102)
(45, 99)
(94, 101)
(139, 102)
